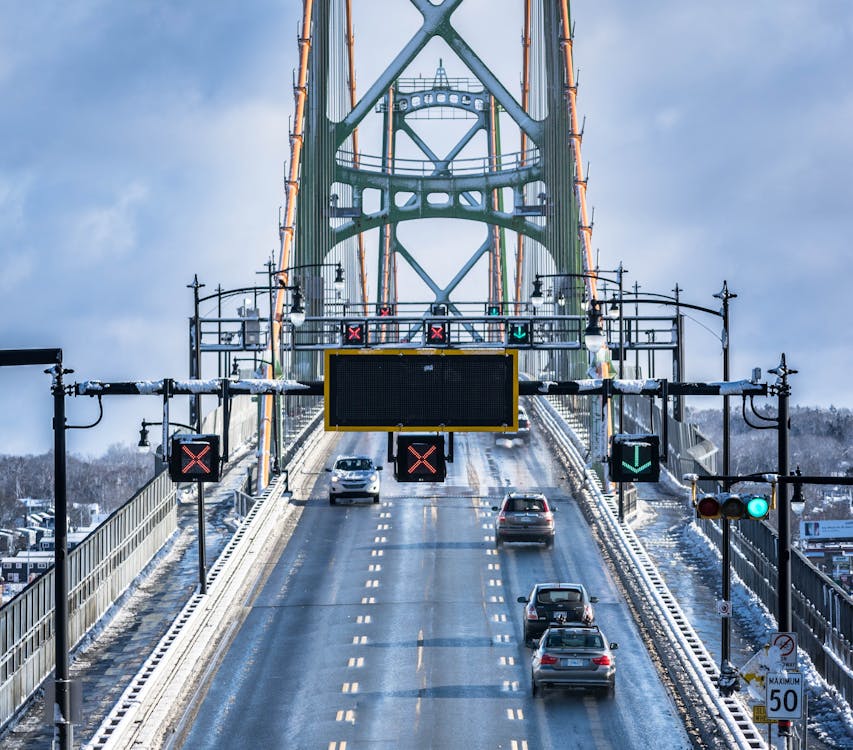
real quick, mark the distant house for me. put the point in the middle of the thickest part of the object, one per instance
(35, 504)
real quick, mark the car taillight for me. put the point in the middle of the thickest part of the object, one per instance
(501, 518)
(548, 659)
(601, 661)
(532, 614)
(549, 516)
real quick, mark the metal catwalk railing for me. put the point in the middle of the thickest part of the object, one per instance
(108, 561)
(100, 570)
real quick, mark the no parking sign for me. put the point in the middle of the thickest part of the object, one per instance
(787, 645)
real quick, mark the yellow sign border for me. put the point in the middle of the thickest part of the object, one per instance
(512, 353)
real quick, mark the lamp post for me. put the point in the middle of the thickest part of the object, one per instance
(143, 446)
(724, 295)
(594, 338)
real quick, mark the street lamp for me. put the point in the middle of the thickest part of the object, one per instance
(593, 336)
(143, 446)
(297, 310)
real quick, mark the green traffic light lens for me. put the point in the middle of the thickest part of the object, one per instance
(757, 507)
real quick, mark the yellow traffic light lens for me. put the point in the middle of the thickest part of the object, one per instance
(733, 508)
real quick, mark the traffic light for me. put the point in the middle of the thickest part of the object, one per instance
(437, 332)
(519, 333)
(354, 333)
(420, 458)
(493, 309)
(734, 507)
(385, 311)
(194, 458)
(634, 458)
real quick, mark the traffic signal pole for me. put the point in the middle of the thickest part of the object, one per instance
(202, 547)
(62, 716)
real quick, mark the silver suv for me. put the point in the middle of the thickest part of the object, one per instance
(354, 476)
(574, 657)
(524, 517)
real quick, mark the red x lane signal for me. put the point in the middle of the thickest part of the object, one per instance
(437, 333)
(420, 458)
(354, 333)
(194, 458)
(385, 311)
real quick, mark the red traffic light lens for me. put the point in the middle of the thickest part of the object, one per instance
(708, 507)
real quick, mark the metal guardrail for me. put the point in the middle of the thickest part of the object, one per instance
(822, 612)
(100, 570)
(144, 715)
(694, 659)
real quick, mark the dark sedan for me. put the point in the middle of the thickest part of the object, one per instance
(555, 604)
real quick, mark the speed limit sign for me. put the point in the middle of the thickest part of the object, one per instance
(784, 698)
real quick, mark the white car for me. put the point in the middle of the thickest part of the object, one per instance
(354, 476)
(523, 432)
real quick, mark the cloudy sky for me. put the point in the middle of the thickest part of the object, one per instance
(142, 143)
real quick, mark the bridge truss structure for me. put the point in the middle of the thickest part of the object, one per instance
(365, 161)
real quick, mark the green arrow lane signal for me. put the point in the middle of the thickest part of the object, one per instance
(636, 467)
(634, 458)
(519, 333)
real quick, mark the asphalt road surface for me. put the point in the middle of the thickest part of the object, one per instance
(395, 625)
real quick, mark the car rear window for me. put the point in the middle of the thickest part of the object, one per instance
(551, 596)
(574, 640)
(522, 504)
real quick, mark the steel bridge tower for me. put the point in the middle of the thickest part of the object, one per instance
(346, 200)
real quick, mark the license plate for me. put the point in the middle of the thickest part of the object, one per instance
(560, 616)
(571, 662)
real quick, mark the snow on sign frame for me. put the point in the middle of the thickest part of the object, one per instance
(421, 390)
